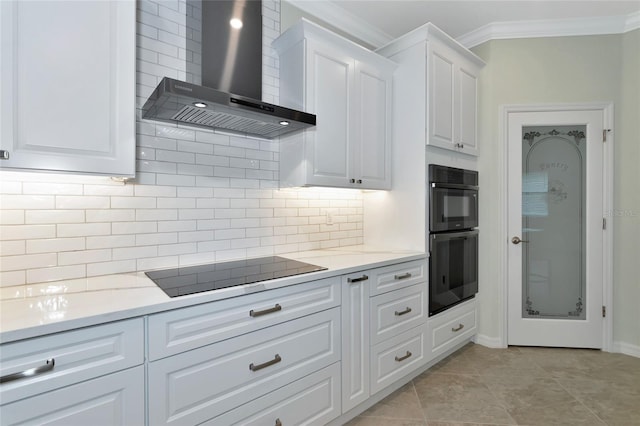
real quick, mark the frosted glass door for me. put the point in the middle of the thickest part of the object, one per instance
(553, 227)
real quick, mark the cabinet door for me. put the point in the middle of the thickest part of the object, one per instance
(115, 399)
(467, 94)
(441, 87)
(371, 146)
(329, 87)
(355, 340)
(67, 86)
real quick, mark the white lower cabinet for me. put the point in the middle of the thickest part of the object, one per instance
(355, 339)
(198, 385)
(383, 328)
(89, 376)
(112, 400)
(397, 357)
(312, 400)
(452, 327)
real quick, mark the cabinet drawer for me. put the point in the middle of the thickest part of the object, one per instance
(396, 311)
(189, 328)
(312, 400)
(70, 357)
(198, 385)
(397, 357)
(112, 400)
(398, 276)
(452, 327)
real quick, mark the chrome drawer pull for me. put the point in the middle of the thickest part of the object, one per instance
(402, 358)
(458, 328)
(265, 311)
(30, 372)
(357, 280)
(403, 276)
(406, 311)
(275, 360)
(278, 422)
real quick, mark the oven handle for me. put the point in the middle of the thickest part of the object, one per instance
(454, 186)
(454, 235)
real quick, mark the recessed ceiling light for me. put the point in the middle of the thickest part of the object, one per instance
(236, 23)
(200, 104)
(284, 123)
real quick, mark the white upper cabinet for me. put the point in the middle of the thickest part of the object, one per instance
(67, 86)
(452, 95)
(448, 75)
(349, 89)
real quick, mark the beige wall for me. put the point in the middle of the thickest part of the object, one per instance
(562, 70)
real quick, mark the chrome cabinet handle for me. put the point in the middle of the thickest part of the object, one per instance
(352, 181)
(406, 311)
(50, 363)
(356, 280)
(517, 240)
(4, 155)
(278, 422)
(275, 360)
(458, 328)
(459, 145)
(402, 358)
(265, 311)
(402, 277)
(359, 181)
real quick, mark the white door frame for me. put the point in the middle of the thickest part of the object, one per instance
(607, 197)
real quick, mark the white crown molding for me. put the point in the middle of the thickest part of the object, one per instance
(329, 12)
(551, 28)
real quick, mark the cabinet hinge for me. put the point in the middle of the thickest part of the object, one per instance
(604, 311)
(604, 134)
(604, 223)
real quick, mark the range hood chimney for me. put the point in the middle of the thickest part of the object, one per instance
(224, 75)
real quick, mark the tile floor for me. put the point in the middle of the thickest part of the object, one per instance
(516, 386)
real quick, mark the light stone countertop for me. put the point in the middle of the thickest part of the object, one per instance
(33, 310)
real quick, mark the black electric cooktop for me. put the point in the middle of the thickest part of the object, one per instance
(195, 279)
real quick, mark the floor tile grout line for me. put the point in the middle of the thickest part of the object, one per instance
(580, 401)
(422, 409)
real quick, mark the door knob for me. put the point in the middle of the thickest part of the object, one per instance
(517, 240)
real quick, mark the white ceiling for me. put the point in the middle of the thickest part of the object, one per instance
(375, 21)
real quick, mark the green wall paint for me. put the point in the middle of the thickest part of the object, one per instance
(602, 68)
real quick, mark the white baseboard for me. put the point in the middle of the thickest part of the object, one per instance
(490, 342)
(626, 348)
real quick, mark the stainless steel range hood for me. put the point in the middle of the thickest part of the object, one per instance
(224, 76)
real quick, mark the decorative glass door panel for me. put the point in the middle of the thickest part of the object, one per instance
(553, 222)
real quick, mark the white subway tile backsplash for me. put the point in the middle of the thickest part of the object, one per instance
(82, 202)
(12, 278)
(177, 249)
(12, 248)
(134, 252)
(83, 257)
(127, 228)
(27, 261)
(156, 238)
(20, 202)
(115, 267)
(112, 215)
(198, 196)
(54, 216)
(156, 214)
(12, 217)
(55, 245)
(111, 241)
(26, 232)
(177, 225)
(56, 273)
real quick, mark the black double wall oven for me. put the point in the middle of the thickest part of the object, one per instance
(453, 236)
